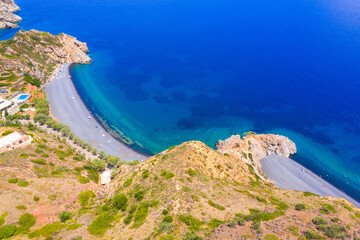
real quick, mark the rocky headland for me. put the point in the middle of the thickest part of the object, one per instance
(38, 53)
(254, 147)
(7, 18)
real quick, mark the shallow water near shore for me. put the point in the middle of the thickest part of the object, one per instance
(170, 71)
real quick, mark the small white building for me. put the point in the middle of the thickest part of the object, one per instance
(14, 140)
(105, 177)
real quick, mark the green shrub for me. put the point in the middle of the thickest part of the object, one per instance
(7, 132)
(294, 231)
(154, 204)
(145, 174)
(319, 220)
(327, 208)
(333, 231)
(261, 199)
(165, 212)
(128, 219)
(52, 197)
(23, 183)
(23, 155)
(128, 182)
(191, 236)
(167, 175)
(21, 207)
(36, 198)
(139, 195)
(120, 201)
(309, 194)
(39, 151)
(141, 214)
(300, 207)
(132, 209)
(215, 205)
(27, 220)
(84, 197)
(73, 226)
(335, 219)
(271, 237)
(99, 226)
(168, 219)
(192, 222)
(82, 179)
(13, 180)
(39, 161)
(214, 223)
(191, 172)
(47, 231)
(2, 220)
(7, 231)
(65, 215)
(310, 234)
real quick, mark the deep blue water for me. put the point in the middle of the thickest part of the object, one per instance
(168, 71)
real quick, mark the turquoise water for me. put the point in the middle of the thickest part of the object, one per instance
(169, 71)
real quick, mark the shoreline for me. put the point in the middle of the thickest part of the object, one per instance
(67, 106)
(285, 173)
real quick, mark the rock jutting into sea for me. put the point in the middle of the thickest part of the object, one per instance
(253, 148)
(7, 18)
(39, 53)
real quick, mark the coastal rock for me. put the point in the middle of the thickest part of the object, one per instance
(40, 53)
(254, 147)
(7, 18)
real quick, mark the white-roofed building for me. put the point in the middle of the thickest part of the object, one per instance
(14, 140)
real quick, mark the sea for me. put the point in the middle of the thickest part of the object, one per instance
(169, 71)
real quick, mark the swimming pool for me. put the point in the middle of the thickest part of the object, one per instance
(22, 97)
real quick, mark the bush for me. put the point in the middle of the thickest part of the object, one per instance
(128, 219)
(27, 220)
(99, 226)
(47, 231)
(7, 132)
(270, 237)
(191, 172)
(146, 174)
(168, 219)
(141, 214)
(120, 201)
(39, 161)
(84, 197)
(214, 223)
(191, 236)
(192, 222)
(128, 182)
(36, 198)
(23, 183)
(327, 208)
(165, 212)
(335, 220)
(13, 180)
(310, 234)
(319, 220)
(7, 231)
(333, 231)
(300, 207)
(52, 197)
(65, 215)
(215, 205)
(21, 207)
(139, 195)
(82, 179)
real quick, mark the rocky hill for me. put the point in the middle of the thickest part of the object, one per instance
(37, 54)
(7, 18)
(187, 192)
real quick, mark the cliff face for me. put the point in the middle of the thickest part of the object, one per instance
(7, 18)
(39, 53)
(252, 148)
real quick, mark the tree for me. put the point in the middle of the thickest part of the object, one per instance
(120, 201)
(112, 161)
(98, 164)
(65, 215)
(26, 220)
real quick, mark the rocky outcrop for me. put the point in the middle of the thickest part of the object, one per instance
(40, 53)
(254, 147)
(7, 18)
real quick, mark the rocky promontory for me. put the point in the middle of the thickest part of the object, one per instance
(39, 53)
(254, 147)
(7, 18)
